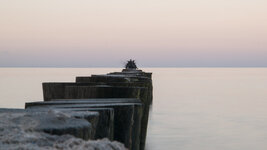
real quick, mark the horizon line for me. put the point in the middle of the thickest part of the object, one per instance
(138, 68)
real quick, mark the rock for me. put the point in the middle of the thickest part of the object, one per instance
(20, 129)
(52, 122)
(103, 128)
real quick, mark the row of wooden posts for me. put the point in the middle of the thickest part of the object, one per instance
(121, 101)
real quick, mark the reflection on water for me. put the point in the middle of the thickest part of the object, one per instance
(193, 108)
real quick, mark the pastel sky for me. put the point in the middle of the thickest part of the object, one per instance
(156, 33)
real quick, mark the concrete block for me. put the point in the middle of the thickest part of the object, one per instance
(51, 122)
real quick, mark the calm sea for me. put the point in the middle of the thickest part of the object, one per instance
(193, 109)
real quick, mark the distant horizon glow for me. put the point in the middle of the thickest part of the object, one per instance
(186, 33)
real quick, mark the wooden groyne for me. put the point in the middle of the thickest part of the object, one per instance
(117, 102)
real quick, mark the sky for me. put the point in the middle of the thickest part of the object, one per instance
(156, 33)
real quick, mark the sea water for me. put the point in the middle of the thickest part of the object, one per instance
(193, 108)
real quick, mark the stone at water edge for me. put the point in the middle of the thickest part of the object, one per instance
(17, 131)
(51, 122)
